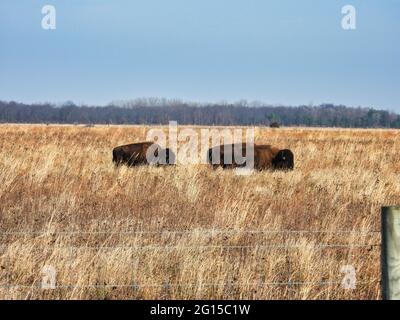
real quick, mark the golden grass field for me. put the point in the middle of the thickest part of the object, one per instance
(186, 232)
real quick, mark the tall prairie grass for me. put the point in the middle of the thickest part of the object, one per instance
(188, 232)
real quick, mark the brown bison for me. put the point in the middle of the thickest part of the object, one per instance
(265, 157)
(142, 153)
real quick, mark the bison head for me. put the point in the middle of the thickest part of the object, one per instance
(284, 159)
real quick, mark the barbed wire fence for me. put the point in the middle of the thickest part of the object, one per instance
(48, 281)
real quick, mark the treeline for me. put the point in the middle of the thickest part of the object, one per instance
(154, 111)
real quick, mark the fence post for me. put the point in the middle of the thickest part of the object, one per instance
(390, 253)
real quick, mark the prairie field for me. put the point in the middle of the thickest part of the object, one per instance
(187, 231)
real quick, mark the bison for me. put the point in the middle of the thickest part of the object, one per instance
(265, 157)
(142, 153)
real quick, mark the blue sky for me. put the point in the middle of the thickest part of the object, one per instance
(278, 51)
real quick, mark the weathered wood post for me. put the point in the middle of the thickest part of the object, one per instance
(390, 253)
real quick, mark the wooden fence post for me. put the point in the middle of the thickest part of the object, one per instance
(390, 253)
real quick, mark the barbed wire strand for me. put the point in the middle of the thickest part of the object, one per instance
(76, 232)
(150, 247)
(138, 285)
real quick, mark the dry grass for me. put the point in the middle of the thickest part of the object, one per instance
(55, 179)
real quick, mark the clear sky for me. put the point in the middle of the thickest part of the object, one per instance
(278, 51)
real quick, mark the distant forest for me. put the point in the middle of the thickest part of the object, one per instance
(161, 111)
